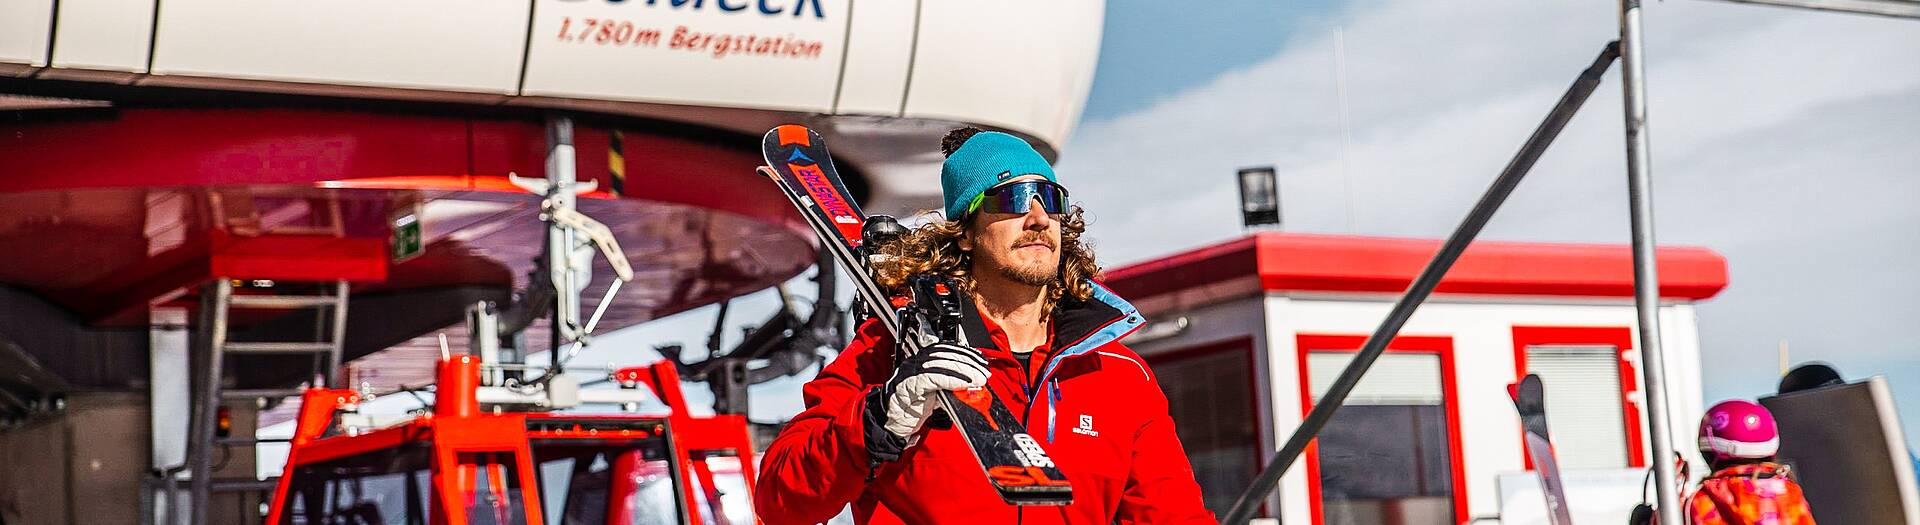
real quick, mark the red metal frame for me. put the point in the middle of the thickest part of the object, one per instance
(623, 485)
(442, 183)
(462, 438)
(1438, 345)
(460, 444)
(298, 257)
(317, 407)
(221, 254)
(1621, 339)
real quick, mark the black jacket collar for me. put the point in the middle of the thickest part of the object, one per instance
(1073, 321)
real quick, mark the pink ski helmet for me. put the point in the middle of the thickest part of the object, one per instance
(1738, 429)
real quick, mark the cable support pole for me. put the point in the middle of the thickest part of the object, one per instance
(1646, 279)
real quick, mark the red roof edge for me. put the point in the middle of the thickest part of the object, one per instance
(1346, 263)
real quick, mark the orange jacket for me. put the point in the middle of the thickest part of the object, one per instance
(1754, 494)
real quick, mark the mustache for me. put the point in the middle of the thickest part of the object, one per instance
(1033, 237)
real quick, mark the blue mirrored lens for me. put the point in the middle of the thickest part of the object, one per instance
(1019, 196)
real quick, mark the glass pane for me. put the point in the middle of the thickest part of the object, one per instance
(721, 489)
(381, 487)
(1257, 190)
(556, 478)
(1585, 413)
(578, 475)
(1385, 459)
(647, 487)
(1394, 379)
(1210, 397)
(495, 497)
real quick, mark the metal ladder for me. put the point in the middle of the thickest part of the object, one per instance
(211, 348)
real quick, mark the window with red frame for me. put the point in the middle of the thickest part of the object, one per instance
(1210, 395)
(1588, 384)
(1390, 455)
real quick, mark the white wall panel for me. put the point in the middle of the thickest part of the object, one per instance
(879, 45)
(1207, 324)
(1020, 64)
(459, 45)
(1283, 384)
(1483, 360)
(1483, 352)
(24, 25)
(708, 52)
(1680, 347)
(104, 34)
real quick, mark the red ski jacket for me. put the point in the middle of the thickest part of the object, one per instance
(1100, 415)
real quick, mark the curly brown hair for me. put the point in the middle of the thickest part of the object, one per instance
(935, 247)
(957, 137)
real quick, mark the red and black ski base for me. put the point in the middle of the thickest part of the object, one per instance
(1013, 461)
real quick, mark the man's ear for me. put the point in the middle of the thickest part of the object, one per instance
(965, 240)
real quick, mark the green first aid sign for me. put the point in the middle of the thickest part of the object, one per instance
(406, 241)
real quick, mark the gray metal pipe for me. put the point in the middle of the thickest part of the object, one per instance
(1888, 8)
(558, 257)
(213, 333)
(1422, 286)
(1646, 280)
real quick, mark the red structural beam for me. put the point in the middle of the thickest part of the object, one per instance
(298, 258)
(1293, 262)
(142, 148)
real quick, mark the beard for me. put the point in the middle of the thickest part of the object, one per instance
(1040, 273)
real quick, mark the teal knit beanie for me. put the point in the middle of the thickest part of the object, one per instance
(987, 159)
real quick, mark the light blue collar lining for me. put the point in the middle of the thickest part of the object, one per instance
(1129, 321)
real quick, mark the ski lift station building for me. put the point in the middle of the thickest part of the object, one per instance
(1246, 334)
(151, 153)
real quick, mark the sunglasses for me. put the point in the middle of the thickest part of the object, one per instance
(1019, 197)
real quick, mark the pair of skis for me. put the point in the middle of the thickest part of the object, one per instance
(1012, 460)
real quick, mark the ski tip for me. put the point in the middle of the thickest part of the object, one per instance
(767, 172)
(1530, 386)
(788, 134)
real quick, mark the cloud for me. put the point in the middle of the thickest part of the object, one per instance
(1781, 138)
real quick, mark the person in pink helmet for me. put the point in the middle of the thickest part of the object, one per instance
(1746, 486)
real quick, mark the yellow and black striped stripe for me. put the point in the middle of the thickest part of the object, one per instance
(617, 162)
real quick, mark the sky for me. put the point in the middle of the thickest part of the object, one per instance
(1783, 139)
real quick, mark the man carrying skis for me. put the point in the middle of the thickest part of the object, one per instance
(1043, 338)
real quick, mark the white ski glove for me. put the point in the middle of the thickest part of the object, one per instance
(902, 405)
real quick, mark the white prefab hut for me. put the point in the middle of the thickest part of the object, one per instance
(1245, 335)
